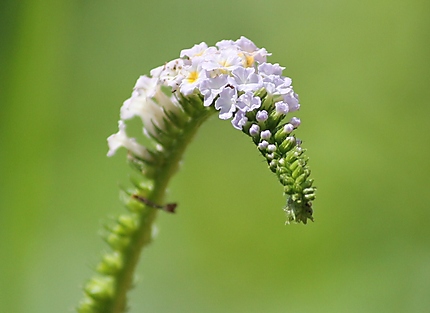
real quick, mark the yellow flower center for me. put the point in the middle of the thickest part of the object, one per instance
(193, 76)
(249, 61)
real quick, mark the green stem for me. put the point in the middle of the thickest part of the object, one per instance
(142, 236)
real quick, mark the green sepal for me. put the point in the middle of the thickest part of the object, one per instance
(267, 103)
(191, 104)
(161, 136)
(261, 93)
(178, 120)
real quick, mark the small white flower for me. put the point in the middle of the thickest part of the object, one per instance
(254, 130)
(295, 121)
(267, 69)
(239, 120)
(263, 145)
(277, 84)
(226, 103)
(223, 62)
(198, 51)
(165, 102)
(193, 76)
(120, 139)
(288, 128)
(226, 44)
(265, 134)
(281, 107)
(271, 148)
(211, 88)
(168, 74)
(145, 86)
(251, 52)
(262, 116)
(246, 79)
(247, 102)
(292, 99)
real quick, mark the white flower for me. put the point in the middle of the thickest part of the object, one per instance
(281, 107)
(145, 87)
(198, 51)
(295, 122)
(275, 84)
(247, 102)
(250, 52)
(226, 44)
(193, 76)
(265, 134)
(226, 103)
(121, 139)
(239, 120)
(211, 88)
(262, 116)
(168, 74)
(266, 69)
(292, 99)
(246, 79)
(223, 62)
(145, 108)
(165, 102)
(254, 130)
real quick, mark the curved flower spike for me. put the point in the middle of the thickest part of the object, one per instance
(232, 79)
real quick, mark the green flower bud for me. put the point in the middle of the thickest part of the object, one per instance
(128, 222)
(301, 179)
(294, 165)
(288, 189)
(117, 242)
(308, 183)
(87, 305)
(100, 288)
(110, 264)
(297, 172)
(287, 144)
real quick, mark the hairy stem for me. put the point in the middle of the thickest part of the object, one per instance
(142, 236)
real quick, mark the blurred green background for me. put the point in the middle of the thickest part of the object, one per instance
(362, 70)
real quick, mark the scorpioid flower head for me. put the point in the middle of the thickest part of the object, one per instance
(229, 77)
(234, 79)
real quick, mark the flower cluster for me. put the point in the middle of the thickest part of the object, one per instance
(227, 76)
(234, 79)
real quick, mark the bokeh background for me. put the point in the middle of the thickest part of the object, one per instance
(362, 70)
